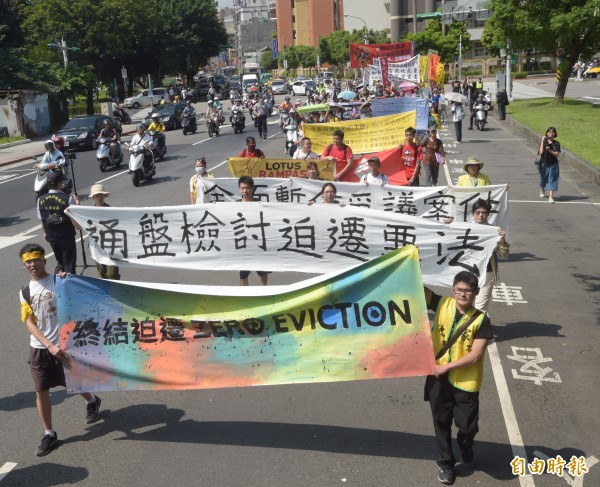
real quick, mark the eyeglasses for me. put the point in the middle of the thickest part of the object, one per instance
(32, 262)
(482, 212)
(466, 292)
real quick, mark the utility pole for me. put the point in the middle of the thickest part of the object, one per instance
(62, 46)
(508, 69)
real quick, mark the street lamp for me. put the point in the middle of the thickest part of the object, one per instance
(363, 21)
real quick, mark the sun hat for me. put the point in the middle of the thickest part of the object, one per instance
(472, 161)
(374, 159)
(98, 189)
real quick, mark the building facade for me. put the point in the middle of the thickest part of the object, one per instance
(302, 22)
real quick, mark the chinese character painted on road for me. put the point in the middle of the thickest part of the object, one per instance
(531, 358)
(501, 293)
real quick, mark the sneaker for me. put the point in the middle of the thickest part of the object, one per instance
(47, 445)
(466, 455)
(446, 475)
(550, 199)
(542, 194)
(93, 411)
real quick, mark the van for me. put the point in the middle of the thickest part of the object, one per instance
(146, 98)
(248, 80)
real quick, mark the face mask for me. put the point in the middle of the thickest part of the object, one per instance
(200, 170)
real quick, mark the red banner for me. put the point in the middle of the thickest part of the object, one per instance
(384, 72)
(361, 55)
(434, 62)
(391, 166)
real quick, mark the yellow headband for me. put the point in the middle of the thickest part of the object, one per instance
(36, 254)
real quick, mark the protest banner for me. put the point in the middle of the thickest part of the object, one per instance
(437, 203)
(388, 106)
(363, 135)
(362, 55)
(279, 237)
(433, 63)
(405, 71)
(277, 168)
(145, 336)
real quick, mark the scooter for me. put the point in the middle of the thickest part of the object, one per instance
(40, 183)
(188, 123)
(122, 116)
(481, 111)
(283, 115)
(103, 154)
(159, 150)
(292, 137)
(141, 164)
(238, 122)
(212, 124)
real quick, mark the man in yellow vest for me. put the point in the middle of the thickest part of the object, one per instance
(453, 392)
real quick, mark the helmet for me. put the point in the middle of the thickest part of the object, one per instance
(287, 98)
(154, 115)
(298, 102)
(59, 142)
(49, 145)
(189, 102)
(141, 126)
(107, 122)
(210, 102)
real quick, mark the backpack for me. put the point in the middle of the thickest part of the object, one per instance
(329, 148)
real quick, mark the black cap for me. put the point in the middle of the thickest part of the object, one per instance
(53, 177)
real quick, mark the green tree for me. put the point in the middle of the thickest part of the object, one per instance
(565, 28)
(446, 45)
(12, 63)
(267, 61)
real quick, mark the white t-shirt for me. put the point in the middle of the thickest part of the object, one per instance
(303, 155)
(198, 186)
(379, 180)
(43, 304)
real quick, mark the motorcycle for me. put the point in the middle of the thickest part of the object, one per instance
(122, 116)
(292, 137)
(212, 124)
(251, 104)
(103, 154)
(141, 164)
(158, 149)
(481, 112)
(188, 123)
(40, 183)
(238, 122)
(283, 115)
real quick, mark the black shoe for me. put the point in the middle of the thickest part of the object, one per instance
(47, 445)
(93, 411)
(466, 454)
(470, 128)
(446, 475)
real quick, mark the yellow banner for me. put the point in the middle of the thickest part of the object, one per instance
(441, 73)
(423, 69)
(277, 168)
(364, 135)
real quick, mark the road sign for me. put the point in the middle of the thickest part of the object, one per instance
(274, 48)
(124, 73)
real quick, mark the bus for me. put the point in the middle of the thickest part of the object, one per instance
(252, 68)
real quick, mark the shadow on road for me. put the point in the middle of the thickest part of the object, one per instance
(525, 329)
(45, 475)
(25, 400)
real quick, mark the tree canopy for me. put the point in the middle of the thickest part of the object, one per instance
(565, 28)
(446, 45)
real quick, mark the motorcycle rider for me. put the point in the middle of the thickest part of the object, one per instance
(284, 110)
(237, 108)
(142, 138)
(219, 108)
(112, 134)
(211, 112)
(159, 127)
(212, 92)
(261, 110)
(53, 158)
(476, 103)
(190, 111)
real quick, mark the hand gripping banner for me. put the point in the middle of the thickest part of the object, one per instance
(367, 322)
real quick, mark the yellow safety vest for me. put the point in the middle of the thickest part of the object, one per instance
(465, 378)
(194, 182)
(465, 180)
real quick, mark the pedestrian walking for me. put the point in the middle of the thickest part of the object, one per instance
(46, 357)
(502, 102)
(548, 164)
(458, 113)
(460, 335)
(433, 157)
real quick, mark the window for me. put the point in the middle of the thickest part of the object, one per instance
(479, 50)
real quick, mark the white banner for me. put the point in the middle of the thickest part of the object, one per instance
(407, 71)
(436, 203)
(279, 237)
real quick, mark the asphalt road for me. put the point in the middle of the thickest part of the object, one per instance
(540, 389)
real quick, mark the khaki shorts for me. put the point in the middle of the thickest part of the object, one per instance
(46, 370)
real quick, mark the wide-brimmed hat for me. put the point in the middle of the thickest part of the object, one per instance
(472, 161)
(98, 189)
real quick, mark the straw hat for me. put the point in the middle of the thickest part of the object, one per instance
(473, 161)
(98, 189)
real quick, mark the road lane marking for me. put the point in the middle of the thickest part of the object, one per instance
(573, 481)
(6, 468)
(545, 201)
(508, 411)
(17, 177)
(219, 165)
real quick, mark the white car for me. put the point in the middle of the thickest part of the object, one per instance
(279, 87)
(303, 87)
(146, 98)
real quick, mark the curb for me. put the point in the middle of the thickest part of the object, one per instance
(21, 159)
(581, 165)
(13, 144)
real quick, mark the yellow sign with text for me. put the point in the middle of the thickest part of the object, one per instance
(277, 168)
(364, 135)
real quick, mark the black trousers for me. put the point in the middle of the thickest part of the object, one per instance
(501, 111)
(449, 403)
(262, 125)
(65, 251)
(458, 130)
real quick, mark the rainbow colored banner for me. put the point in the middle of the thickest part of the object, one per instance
(367, 322)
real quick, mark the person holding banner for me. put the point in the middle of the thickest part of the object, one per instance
(474, 177)
(46, 358)
(251, 151)
(460, 335)
(246, 185)
(312, 171)
(411, 152)
(99, 194)
(374, 176)
(305, 151)
(339, 153)
(197, 187)
(329, 193)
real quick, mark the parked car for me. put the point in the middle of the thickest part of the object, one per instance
(144, 98)
(81, 132)
(169, 114)
(279, 86)
(303, 87)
